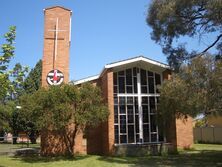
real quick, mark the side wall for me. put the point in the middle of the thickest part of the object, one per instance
(179, 132)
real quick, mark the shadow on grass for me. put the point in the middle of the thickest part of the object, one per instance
(41, 159)
(187, 158)
(193, 158)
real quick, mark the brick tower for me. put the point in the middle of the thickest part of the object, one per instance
(55, 64)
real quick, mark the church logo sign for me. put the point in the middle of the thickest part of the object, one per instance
(55, 77)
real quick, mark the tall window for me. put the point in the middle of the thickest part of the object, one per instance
(135, 102)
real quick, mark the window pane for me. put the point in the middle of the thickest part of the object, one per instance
(129, 77)
(143, 77)
(129, 89)
(116, 110)
(137, 123)
(143, 89)
(144, 100)
(146, 133)
(150, 74)
(151, 84)
(130, 114)
(122, 138)
(116, 134)
(115, 89)
(135, 84)
(134, 72)
(115, 78)
(122, 109)
(152, 105)
(122, 100)
(145, 114)
(115, 100)
(131, 134)
(130, 100)
(121, 85)
(157, 81)
(153, 123)
(153, 137)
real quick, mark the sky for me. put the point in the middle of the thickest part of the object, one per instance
(103, 31)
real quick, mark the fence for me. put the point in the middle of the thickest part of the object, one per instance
(208, 134)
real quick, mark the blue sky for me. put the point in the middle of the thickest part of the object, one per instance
(103, 31)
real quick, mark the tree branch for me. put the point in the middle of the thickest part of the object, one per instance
(214, 43)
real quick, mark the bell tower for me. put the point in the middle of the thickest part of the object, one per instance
(57, 40)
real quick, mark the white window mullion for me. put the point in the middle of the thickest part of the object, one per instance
(140, 108)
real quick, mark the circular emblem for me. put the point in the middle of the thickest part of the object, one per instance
(55, 77)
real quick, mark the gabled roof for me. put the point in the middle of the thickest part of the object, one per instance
(136, 59)
(123, 62)
(86, 79)
(57, 7)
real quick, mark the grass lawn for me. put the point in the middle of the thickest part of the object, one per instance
(202, 155)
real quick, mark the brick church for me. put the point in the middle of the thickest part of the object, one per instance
(129, 87)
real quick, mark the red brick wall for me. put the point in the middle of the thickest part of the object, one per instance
(179, 132)
(62, 60)
(184, 131)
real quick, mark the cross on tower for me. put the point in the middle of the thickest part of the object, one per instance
(56, 30)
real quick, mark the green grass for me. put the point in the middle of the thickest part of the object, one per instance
(202, 155)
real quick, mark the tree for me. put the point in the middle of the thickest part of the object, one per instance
(65, 108)
(196, 89)
(11, 85)
(170, 20)
(7, 51)
(33, 81)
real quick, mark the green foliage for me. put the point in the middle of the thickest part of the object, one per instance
(66, 108)
(172, 19)
(196, 89)
(33, 80)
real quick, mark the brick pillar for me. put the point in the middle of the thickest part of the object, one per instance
(61, 61)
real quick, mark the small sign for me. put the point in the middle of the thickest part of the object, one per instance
(55, 77)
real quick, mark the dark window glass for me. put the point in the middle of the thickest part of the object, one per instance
(116, 110)
(121, 85)
(116, 119)
(116, 134)
(137, 123)
(122, 138)
(134, 72)
(122, 128)
(145, 114)
(151, 84)
(157, 82)
(122, 109)
(130, 133)
(150, 74)
(122, 100)
(115, 78)
(130, 114)
(146, 133)
(115, 100)
(144, 100)
(122, 73)
(143, 77)
(153, 123)
(129, 89)
(129, 77)
(153, 137)
(143, 89)
(135, 84)
(152, 105)
(137, 138)
(130, 100)
(115, 89)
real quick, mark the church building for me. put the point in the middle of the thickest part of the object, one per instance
(129, 87)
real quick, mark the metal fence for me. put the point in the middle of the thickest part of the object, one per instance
(208, 134)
